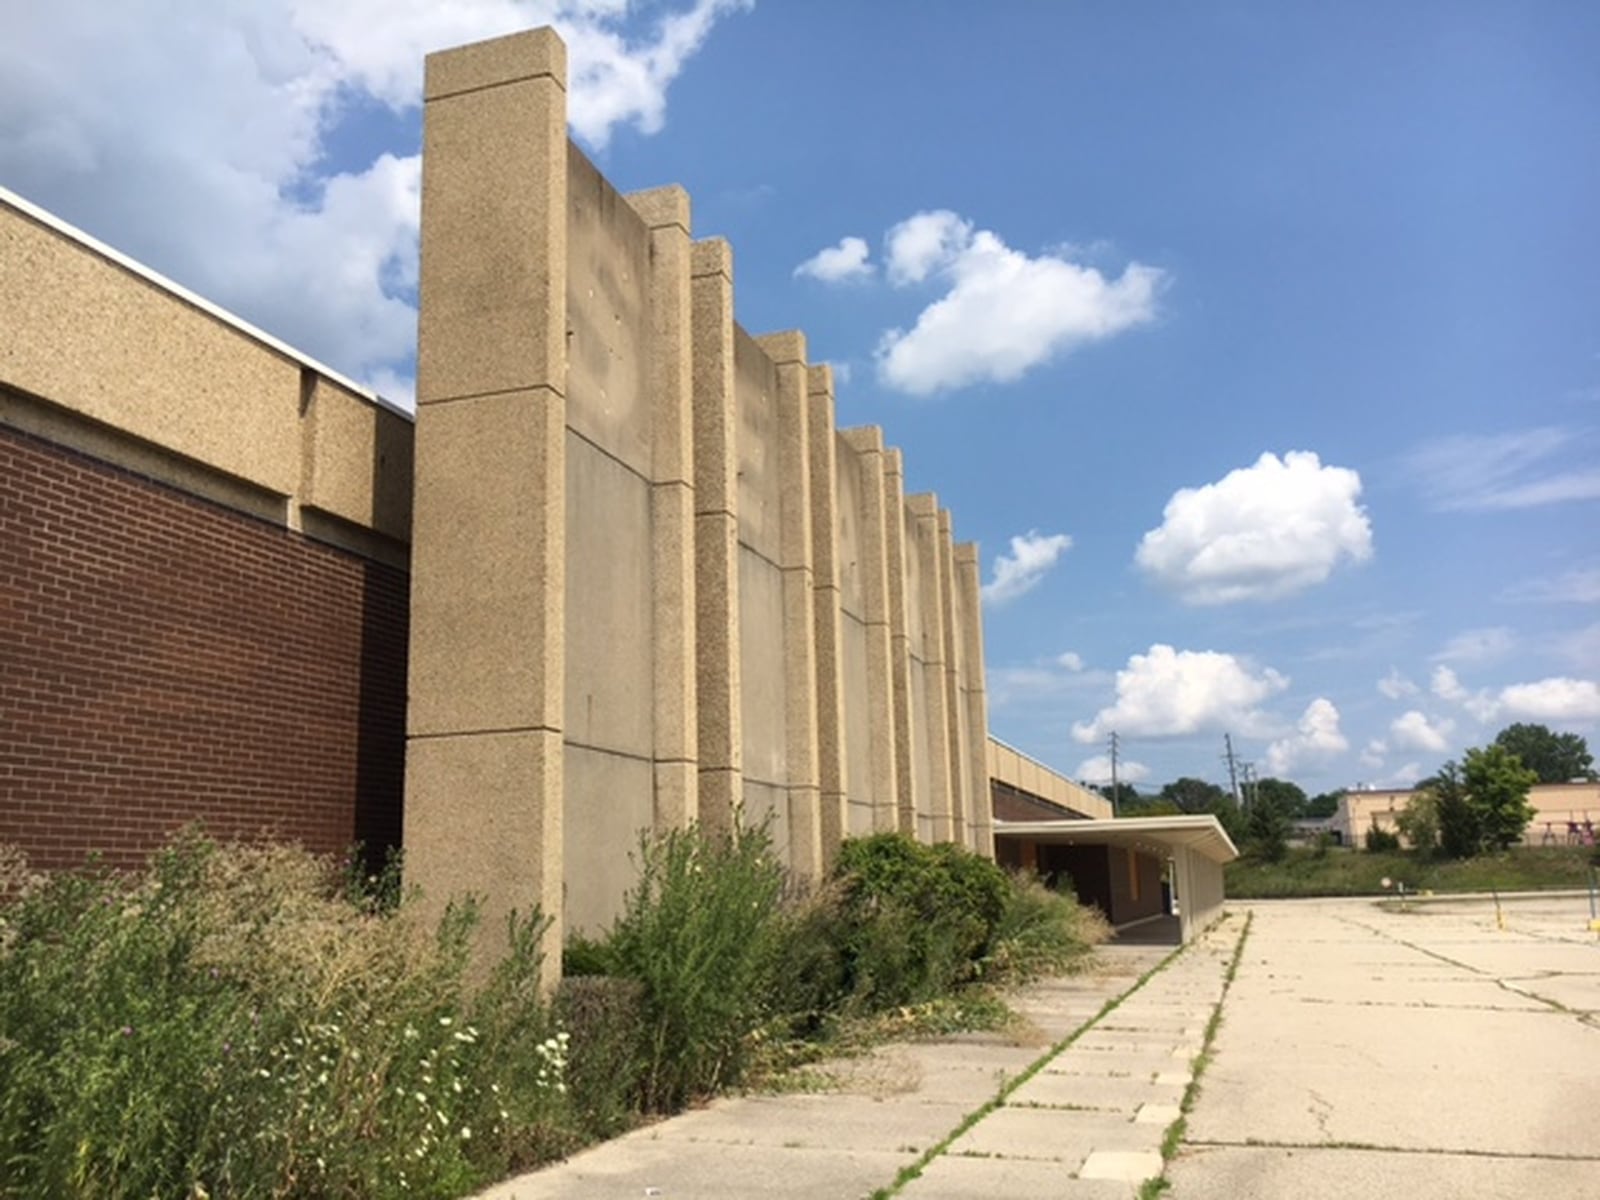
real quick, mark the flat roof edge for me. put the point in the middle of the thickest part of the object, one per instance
(153, 277)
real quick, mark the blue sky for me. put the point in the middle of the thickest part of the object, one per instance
(1257, 343)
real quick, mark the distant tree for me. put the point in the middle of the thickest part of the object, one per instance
(1150, 806)
(1194, 795)
(1497, 786)
(1287, 797)
(1324, 804)
(1418, 821)
(1460, 833)
(1267, 826)
(1123, 798)
(1552, 757)
(1230, 817)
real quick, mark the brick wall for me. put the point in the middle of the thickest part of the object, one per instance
(165, 660)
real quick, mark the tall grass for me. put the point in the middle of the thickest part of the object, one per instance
(226, 1024)
(247, 1021)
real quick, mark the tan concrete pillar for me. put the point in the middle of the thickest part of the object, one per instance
(955, 714)
(672, 508)
(788, 353)
(923, 508)
(894, 511)
(867, 441)
(969, 606)
(483, 805)
(716, 535)
(829, 643)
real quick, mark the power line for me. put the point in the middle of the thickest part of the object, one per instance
(1114, 788)
(1233, 773)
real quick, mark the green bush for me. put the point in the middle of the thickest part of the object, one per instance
(1381, 841)
(226, 1022)
(1042, 932)
(916, 920)
(701, 934)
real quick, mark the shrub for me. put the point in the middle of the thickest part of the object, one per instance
(226, 1021)
(916, 920)
(1042, 932)
(1381, 841)
(701, 935)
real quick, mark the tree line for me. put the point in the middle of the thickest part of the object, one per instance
(1479, 804)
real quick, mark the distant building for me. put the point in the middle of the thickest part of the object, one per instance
(1565, 813)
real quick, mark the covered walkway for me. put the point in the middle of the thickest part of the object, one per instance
(1131, 868)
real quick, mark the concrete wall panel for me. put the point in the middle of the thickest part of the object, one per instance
(608, 327)
(608, 806)
(609, 631)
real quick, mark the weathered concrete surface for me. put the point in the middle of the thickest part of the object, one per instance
(880, 1114)
(1422, 1053)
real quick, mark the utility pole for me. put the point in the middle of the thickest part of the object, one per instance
(1249, 771)
(1233, 770)
(1114, 790)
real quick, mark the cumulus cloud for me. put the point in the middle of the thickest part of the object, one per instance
(1071, 660)
(1395, 685)
(1316, 737)
(1032, 555)
(1174, 693)
(1478, 646)
(1446, 685)
(204, 146)
(1556, 699)
(835, 264)
(1004, 312)
(1524, 468)
(1412, 730)
(1097, 769)
(1373, 756)
(1260, 532)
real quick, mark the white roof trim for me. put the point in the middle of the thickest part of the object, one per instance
(1202, 833)
(155, 278)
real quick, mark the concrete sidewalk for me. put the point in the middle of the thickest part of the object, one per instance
(1425, 1053)
(1088, 1121)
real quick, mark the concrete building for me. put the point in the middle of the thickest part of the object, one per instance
(619, 572)
(1564, 813)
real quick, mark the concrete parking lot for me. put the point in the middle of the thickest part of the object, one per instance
(1444, 1050)
(1440, 1051)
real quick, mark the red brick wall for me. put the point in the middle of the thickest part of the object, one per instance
(164, 660)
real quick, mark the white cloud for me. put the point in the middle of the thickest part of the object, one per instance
(1555, 699)
(1448, 687)
(1478, 646)
(923, 243)
(1395, 685)
(1098, 770)
(200, 145)
(1316, 737)
(1505, 471)
(1373, 756)
(1260, 532)
(1413, 731)
(1571, 587)
(1032, 555)
(1004, 313)
(835, 264)
(1070, 660)
(1172, 693)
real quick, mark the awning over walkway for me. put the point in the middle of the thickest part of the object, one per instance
(1121, 884)
(1203, 834)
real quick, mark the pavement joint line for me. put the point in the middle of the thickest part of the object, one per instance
(1499, 981)
(915, 1169)
(1173, 1136)
(1379, 1148)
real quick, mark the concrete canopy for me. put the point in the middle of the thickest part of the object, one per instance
(1195, 846)
(1202, 834)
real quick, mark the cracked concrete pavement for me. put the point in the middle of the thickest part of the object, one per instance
(1362, 1051)
(1429, 1052)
